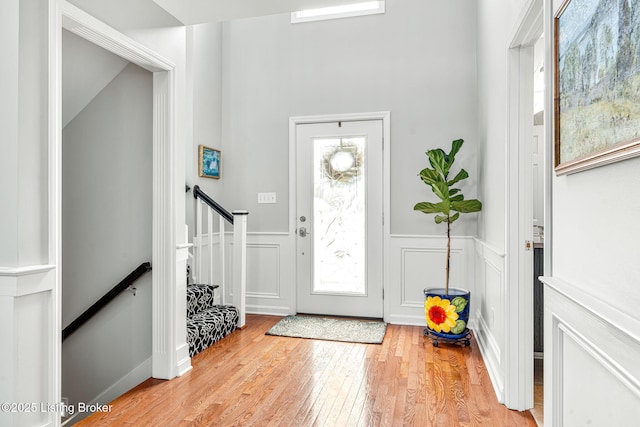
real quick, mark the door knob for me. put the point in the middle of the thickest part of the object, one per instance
(302, 231)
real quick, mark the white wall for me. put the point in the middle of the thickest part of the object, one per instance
(24, 127)
(398, 62)
(86, 70)
(106, 222)
(152, 27)
(9, 77)
(595, 233)
(29, 268)
(497, 23)
(591, 327)
(25, 280)
(204, 59)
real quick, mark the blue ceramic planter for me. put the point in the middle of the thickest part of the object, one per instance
(447, 315)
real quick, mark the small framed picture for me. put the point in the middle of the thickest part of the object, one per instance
(209, 162)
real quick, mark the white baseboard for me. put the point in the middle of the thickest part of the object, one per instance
(490, 351)
(268, 310)
(184, 364)
(409, 320)
(139, 374)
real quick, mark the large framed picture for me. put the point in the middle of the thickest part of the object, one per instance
(597, 83)
(208, 162)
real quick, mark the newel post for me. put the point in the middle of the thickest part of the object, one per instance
(240, 264)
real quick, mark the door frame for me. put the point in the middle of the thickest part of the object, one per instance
(518, 370)
(385, 116)
(170, 356)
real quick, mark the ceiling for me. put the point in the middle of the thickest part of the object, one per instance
(142, 14)
(201, 11)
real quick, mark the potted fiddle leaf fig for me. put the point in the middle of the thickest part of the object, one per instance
(446, 309)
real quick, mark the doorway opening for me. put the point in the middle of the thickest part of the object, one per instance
(522, 166)
(106, 218)
(169, 357)
(538, 156)
(339, 218)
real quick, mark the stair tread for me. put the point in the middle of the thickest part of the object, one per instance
(203, 284)
(216, 310)
(210, 326)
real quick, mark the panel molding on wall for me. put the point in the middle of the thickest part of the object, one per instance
(269, 271)
(489, 312)
(410, 261)
(587, 339)
(25, 305)
(265, 261)
(415, 262)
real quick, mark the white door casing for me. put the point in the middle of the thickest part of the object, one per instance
(518, 338)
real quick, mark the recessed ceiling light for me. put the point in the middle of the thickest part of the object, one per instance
(334, 12)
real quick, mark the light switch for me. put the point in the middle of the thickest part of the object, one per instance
(266, 197)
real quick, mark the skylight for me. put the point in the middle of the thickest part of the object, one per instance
(335, 12)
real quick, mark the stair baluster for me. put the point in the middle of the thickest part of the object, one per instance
(237, 291)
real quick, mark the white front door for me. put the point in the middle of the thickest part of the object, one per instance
(339, 218)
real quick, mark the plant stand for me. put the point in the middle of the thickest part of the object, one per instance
(464, 338)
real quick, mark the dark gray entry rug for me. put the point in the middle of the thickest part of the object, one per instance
(323, 328)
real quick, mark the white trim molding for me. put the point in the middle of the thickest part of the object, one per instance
(20, 281)
(25, 333)
(518, 303)
(490, 311)
(587, 338)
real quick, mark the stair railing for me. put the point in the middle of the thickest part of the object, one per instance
(125, 283)
(239, 267)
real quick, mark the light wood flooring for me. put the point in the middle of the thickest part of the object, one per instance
(251, 379)
(538, 392)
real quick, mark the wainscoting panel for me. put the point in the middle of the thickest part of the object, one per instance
(592, 375)
(412, 263)
(418, 262)
(422, 268)
(263, 278)
(490, 311)
(269, 272)
(26, 305)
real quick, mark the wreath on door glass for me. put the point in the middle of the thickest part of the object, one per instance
(344, 163)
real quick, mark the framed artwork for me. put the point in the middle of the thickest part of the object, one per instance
(208, 162)
(597, 83)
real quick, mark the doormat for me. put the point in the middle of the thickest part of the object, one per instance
(323, 328)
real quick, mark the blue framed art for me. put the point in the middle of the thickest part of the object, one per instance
(208, 162)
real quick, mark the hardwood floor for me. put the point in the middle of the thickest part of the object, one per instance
(251, 379)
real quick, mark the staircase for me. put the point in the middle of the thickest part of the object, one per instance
(207, 323)
(209, 317)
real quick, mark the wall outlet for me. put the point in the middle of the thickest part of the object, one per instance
(266, 197)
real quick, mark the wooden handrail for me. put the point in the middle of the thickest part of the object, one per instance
(106, 299)
(199, 194)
